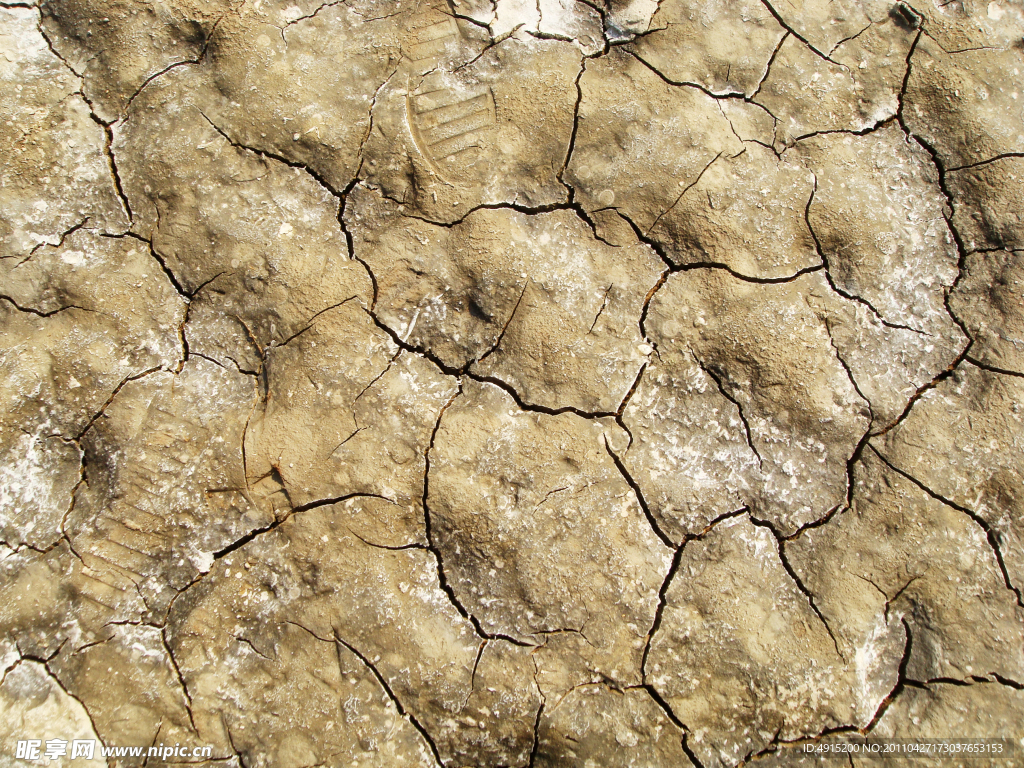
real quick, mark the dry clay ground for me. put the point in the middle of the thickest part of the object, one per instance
(388, 383)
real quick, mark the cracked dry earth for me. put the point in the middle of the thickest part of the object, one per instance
(548, 383)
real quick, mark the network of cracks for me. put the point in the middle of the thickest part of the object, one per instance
(514, 383)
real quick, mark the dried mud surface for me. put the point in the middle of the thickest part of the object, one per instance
(515, 383)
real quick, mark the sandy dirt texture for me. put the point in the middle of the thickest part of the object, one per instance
(511, 383)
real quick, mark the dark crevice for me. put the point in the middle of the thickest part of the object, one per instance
(547, 496)
(350, 242)
(647, 306)
(851, 37)
(268, 155)
(366, 136)
(532, 210)
(231, 742)
(659, 610)
(673, 267)
(782, 23)
(780, 546)
(449, 370)
(849, 372)
(53, 48)
(178, 287)
(901, 680)
(570, 148)
(152, 744)
(495, 41)
(632, 483)
(686, 189)
(875, 126)
(535, 407)
(991, 534)
(992, 368)
(900, 11)
(828, 270)
(396, 548)
(1007, 682)
(313, 14)
(247, 642)
(583, 216)
(183, 339)
(688, 750)
(995, 249)
(569, 204)
(117, 389)
(948, 215)
(942, 376)
(566, 631)
(16, 548)
(108, 132)
(181, 678)
(605, 26)
(476, 663)
(178, 593)
(497, 342)
(955, 51)
(87, 646)
(39, 312)
(747, 278)
(620, 412)
(970, 681)
(601, 309)
(219, 364)
(310, 323)
(768, 71)
(663, 593)
(394, 698)
(187, 62)
(890, 600)
(366, 389)
(996, 159)
(673, 718)
(901, 97)
(536, 736)
(878, 124)
(779, 746)
(277, 523)
(337, 640)
(847, 503)
(428, 522)
(63, 236)
(685, 83)
(772, 747)
(469, 20)
(44, 662)
(718, 378)
(108, 149)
